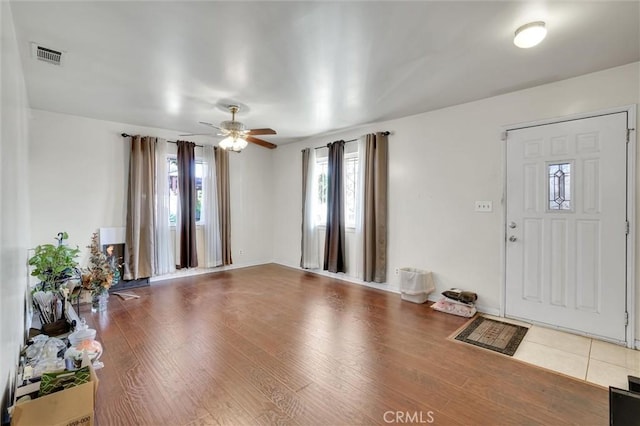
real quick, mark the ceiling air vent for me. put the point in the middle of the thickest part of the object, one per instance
(45, 54)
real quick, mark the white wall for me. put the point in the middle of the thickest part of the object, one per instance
(14, 212)
(79, 170)
(440, 162)
(252, 205)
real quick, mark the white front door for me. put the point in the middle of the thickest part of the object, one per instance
(566, 225)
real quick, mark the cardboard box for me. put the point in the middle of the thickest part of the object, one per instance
(70, 407)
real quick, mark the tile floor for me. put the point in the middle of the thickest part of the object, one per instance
(581, 357)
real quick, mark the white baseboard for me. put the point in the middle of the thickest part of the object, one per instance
(486, 310)
(190, 272)
(344, 277)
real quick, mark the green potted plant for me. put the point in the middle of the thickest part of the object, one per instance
(53, 265)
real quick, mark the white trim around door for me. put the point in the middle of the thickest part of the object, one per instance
(631, 114)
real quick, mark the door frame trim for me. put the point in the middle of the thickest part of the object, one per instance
(631, 111)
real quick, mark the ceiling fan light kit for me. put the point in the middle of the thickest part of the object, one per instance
(233, 126)
(233, 144)
(530, 34)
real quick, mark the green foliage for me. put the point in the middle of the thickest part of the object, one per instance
(54, 264)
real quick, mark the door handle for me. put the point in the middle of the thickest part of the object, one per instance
(512, 225)
(512, 238)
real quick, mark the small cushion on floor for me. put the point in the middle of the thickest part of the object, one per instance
(451, 307)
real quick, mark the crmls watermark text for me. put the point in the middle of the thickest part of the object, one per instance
(408, 417)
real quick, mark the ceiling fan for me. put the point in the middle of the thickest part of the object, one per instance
(236, 133)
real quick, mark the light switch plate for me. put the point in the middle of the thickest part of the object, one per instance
(484, 206)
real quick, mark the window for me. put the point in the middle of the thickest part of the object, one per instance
(173, 190)
(350, 188)
(322, 171)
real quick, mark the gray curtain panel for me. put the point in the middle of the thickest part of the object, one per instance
(224, 203)
(187, 192)
(374, 227)
(334, 245)
(140, 229)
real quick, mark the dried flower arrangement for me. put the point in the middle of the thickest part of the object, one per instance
(102, 272)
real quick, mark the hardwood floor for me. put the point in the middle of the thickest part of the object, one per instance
(273, 345)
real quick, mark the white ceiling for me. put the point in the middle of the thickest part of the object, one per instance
(305, 68)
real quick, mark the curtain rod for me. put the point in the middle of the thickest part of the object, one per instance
(386, 133)
(126, 135)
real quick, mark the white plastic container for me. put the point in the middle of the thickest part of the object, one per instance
(415, 285)
(83, 332)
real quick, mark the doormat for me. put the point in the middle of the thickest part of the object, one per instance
(494, 335)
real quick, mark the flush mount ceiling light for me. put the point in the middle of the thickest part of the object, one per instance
(530, 34)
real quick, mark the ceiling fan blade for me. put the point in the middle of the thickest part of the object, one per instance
(209, 124)
(261, 142)
(261, 132)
